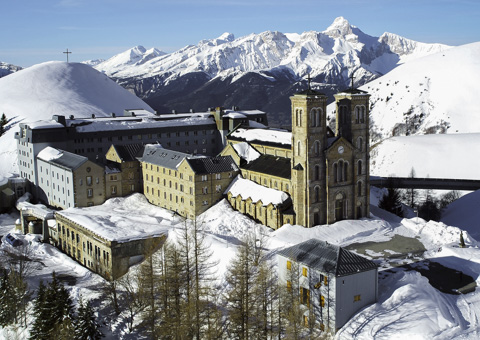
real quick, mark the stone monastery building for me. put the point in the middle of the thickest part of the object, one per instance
(188, 162)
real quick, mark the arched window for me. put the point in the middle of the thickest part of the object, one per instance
(298, 117)
(299, 147)
(340, 171)
(343, 114)
(362, 114)
(359, 188)
(312, 117)
(318, 121)
(335, 173)
(359, 167)
(317, 172)
(345, 172)
(360, 143)
(317, 194)
(316, 148)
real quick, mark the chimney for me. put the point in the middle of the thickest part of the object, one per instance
(113, 115)
(93, 115)
(174, 112)
(192, 111)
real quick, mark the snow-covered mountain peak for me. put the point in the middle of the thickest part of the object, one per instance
(226, 37)
(339, 28)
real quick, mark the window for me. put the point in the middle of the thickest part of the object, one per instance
(357, 298)
(317, 173)
(204, 178)
(289, 265)
(89, 180)
(299, 147)
(359, 167)
(89, 192)
(360, 143)
(322, 301)
(218, 188)
(114, 189)
(218, 176)
(317, 194)
(304, 271)
(316, 148)
(205, 190)
(359, 188)
(305, 296)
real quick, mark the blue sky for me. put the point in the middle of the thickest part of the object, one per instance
(36, 31)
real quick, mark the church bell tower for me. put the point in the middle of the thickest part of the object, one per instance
(309, 138)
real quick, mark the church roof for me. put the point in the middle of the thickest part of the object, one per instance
(207, 165)
(271, 165)
(353, 91)
(327, 258)
(310, 92)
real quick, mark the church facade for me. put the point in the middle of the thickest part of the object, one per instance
(325, 173)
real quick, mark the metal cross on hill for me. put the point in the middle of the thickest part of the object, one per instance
(67, 53)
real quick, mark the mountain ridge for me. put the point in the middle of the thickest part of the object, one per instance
(329, 56)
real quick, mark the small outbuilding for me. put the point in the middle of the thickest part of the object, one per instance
(334, 283)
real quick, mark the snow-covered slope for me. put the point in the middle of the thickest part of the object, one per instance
(464, 213)
(437, 156)
(330, 53)
(43, 90)
(434, 94)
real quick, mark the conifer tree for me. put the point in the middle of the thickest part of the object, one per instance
(53, 312)
(6, 301)
(391, 201)
(3, 123)
(40, 325)
(86, 325)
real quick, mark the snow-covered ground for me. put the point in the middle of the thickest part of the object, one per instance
(435, 156)
(408, 305)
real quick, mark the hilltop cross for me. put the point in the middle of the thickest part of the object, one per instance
(352, 77)
(309, 79)
(67, 53)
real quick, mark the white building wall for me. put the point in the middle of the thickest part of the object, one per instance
(363, 284)
(55, 185)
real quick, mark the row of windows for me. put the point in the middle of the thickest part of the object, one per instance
(360, 114)
(340, 170)
(145, 136)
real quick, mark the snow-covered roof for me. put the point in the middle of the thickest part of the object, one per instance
(234, 115)
(144, 123)
(122, 219)
(61, 158)
(156, 154)
(256, 192)
(49, 154)
(263, 136)
(246, 151)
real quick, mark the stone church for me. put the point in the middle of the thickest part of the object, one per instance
(325, 174)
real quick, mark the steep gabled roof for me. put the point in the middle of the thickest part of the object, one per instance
(129, 152)
(157, 155)
(271, 165)
(207, 165)
(327, 258)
